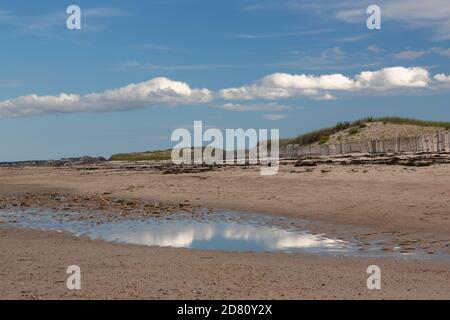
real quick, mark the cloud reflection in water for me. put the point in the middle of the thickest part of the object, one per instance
(214, 235)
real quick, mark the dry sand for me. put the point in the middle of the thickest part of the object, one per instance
(411, 204)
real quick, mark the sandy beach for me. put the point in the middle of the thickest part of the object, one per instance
(223, 150)
(410, 204)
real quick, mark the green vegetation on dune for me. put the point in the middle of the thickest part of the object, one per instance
(321, 136)
(414, 122)
(157, 155)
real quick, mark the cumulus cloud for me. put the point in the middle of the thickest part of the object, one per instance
(157, 91)
(442, 78)
(166, 92)
(284, 85)
(391, 78)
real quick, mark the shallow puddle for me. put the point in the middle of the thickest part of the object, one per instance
(226, 231)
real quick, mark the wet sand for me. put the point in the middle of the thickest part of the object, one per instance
(34, 263)
(411, 204)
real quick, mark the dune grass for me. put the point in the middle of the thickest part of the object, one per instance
(157, 155)
(322, 135)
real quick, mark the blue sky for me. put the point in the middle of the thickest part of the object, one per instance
(292, 65)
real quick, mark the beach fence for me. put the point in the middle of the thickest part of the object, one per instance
(438, 142)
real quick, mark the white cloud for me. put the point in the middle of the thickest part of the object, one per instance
(442, 78)
(166, 92)
(274, 117)
(394, 77)
(283, 85)
(157, 91)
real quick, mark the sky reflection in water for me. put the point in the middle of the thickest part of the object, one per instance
(226, 231)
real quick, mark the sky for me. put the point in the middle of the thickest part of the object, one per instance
(138, 70)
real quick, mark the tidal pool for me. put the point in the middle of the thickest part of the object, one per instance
(220, 230)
